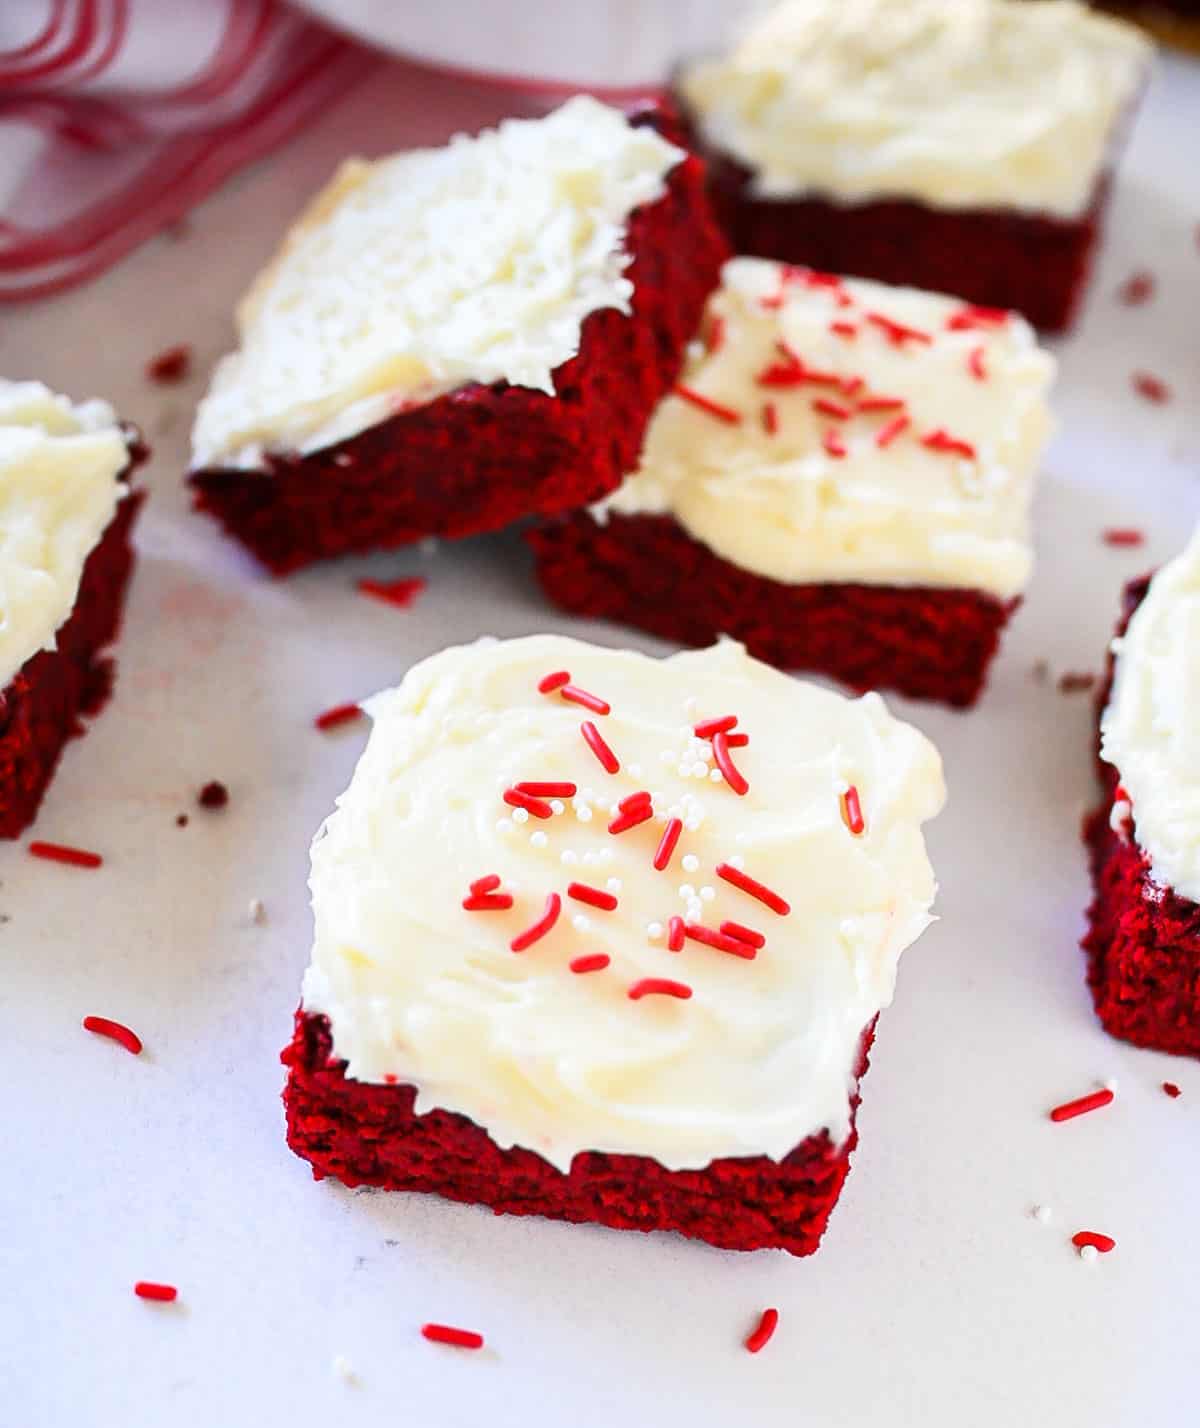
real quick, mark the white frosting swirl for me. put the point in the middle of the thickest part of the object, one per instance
(764, 1053)
(59, 465)
(411, 276)
(1150, 731)
(780, 504)
(956, 103)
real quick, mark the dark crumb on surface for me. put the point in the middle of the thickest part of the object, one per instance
(213, 795)
(1154, 389)
(1169, 1087)
(4, 917)
(1040, 671)
(1136, 289)
(171, 365)
(1075, 683)
(181, 820)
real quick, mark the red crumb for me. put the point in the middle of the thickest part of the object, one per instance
(1172, 1090)
(1153, 388)
(761, 1335)
(161, 1293)
(1075, 682)
(213, 795)
(1103, 1243)
(115, 1031)
(1123, 536)
(659, 986)
(59, 853)
(171, 365)
(339, 714)
(1136, 289)
(400, 593)
(1070, 1109)
(592, 962)
(457, 1338)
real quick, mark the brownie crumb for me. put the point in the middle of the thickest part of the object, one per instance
(1154, 389)
(1040, 671)
(181, 820)
(171, 365)
(213, 795)
(1136, 289)
(1075, 683)
(1172, 1090)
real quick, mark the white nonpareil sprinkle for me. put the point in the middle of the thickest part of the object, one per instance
(690, 862)
(605, 855)
(666, 757)
(568, 855)
(504, 825)
(583, 813)
(557, 806)
(520, 815)
(635, 770)
(256, 912)
(715, 776)
(580, 923)
(686, 890)
(613, 885)
(692, 822)
(589, 857)
(707, 894)
(538, 839)
(1088, 1253)
(695, 911)
(654, 930)
(737, 861)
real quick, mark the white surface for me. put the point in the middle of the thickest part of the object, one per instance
(937, 1299)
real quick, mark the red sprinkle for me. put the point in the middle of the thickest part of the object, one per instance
(1070, 1109)
(887, 434)
(697, 932)
(339, 714)
(941, 440)
(1103, 1243)
(589, 701)
(853, 385)
(488, 902)
(844, 329)
(1075, 682)
(716, 335)
(456, 1338)
(737, 741)
(59, 853)
(171, 365)
(708, 727)
(745, 934)
(666, 845)
(975, 364)
(160, 1293)
(762, 1333)
(537, 806)
(729, 771)
(550, 682)
(400, 593)
(852, 812)
(547, 790)
(675, 934)
(716, 409)
(770, 418)
(595, 742)
(832, 409)
(880, 404)
(539, 929)
(1172, 1090)
(634, 800)
(659, 986)
(897, 332)
(1123, 536)
(974, 316)
(754, 888)
(1154, 389)
(213, 795)
(488, 883)
(1136, 289)
(631, 817)
(833, 444)
(594, 897)
(115, 1032)
(591, 962)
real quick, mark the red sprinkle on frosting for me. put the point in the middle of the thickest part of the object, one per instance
(716, 335)
(852, 815)
(897, 333)
(880, 404)
(729, 770)
(831, 408)
(538, 807)
(659, 986)
(666, 844)
(1093, 1102)
(631, 817)
(488, 902)
(1123, 536)
(595, 741)
(547, 790)
(706, 404)
(400, 593)
(753, 888)
(974, 316)
(770, 418)
(576, 695)
(60, 853)
(1100, 1242)
(742, 933)
(843, 329)
(833, 444)
(710, 937)
(761, 1335)
(590, 962)
(941, 440)
(721, 725)
(456, 1338)
(550, 682)
(160, 1293)
(976, 365)
(675, 934)
(115, 1031)
(488, 883)
(737, 741)
(887, 434)
(339, 714)
(543, 925)
(594, 897)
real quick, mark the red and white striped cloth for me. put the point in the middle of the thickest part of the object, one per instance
(116, 116)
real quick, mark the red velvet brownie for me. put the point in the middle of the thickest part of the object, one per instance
(66, 510)
(1143, 938)
(841, 480)
(455, 338)
(959, 145)
(603, 938)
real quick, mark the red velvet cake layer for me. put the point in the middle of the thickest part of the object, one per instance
(646, 571)
(1035, 263)
(365, 1134)
(1143, 941)
(481, 457)
(42, 707)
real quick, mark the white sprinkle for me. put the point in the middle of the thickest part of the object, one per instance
(1111, 1084)
(695, 911)
(699, 770)
(686, 890)
(707, 893)
(635, 770)
(605, 855)
(580, 923)
(1043, 1214)
(538, 839)
(520, 815)
(613, 885)
(684, 770)
(557, 806)
(692, 822)
(504, 825)
(675, 811)
(737, 861)
(589, 858)
(586, 795)
(343, 1368)
(666, 757)
(690, 862)
(584, 814)
(602, 803)
(1088, 1253)
(715, 776)
(256, 912)
(654, 930)
(568, 855)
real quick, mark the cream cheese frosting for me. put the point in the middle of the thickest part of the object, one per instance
(1150, 731)
(59, 464)
(955, 103)
(413, 275)
(806, 473)
(421, 991)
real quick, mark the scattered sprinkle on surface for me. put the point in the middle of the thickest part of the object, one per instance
(400, 593)
(1123, 536)
(62, 853)
(1092, 1239)
(448, 1334)
(171, 365)
(1080, 1107)
(761, 1334)
(115, 1031)
(159, 1293)
(1172, 1090)
(1152, 388)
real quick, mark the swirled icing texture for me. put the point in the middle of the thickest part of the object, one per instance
(764, 1054)
(1150, 731)
(416, 274)
(59, 465)
(955, 103)
(779, 503)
